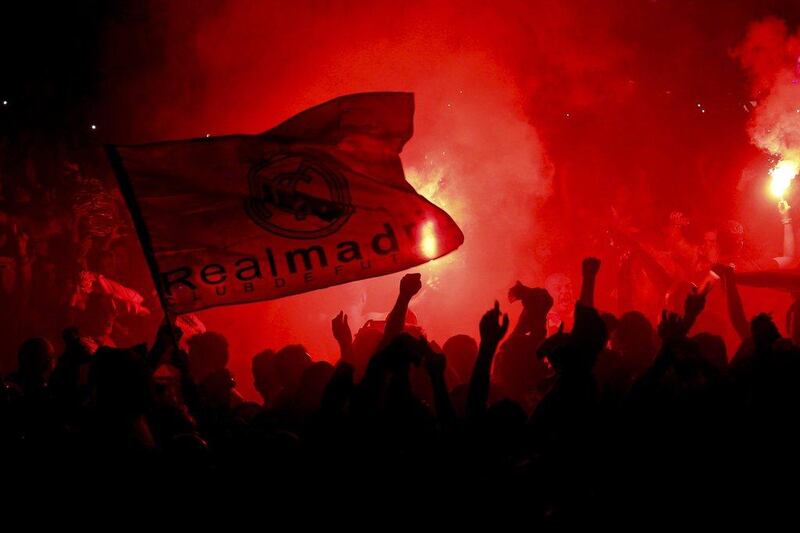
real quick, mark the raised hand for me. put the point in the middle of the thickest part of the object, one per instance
(536, 304)
(695, 302)
(784, 208)
(492, 328)
(536, 300)
(517, 292)
(590, 266)
(410, 285)
(341, 329)
(725, 272)
(671, 328)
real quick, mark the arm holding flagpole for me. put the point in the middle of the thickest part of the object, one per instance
(143, 234)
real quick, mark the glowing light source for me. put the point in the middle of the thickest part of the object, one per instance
(5, 102)
(782, 176)
(429, 244)
(94, 127)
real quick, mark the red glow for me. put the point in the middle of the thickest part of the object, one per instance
(533, 120)
(428, 242)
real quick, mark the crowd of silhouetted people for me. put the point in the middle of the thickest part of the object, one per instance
(581, 414)
(613, 418)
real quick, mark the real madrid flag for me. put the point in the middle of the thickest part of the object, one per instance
(317, 201)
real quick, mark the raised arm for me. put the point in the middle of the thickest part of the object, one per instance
(492, 332)
(591, 266)
(694, 305)
(647, 258)
(536, 303)
(409, 286)
(343, 336)
(734, 300)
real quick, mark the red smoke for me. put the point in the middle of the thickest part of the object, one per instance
(533, 119)
(771, 57)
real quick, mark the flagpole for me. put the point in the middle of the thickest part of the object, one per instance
(141, 230)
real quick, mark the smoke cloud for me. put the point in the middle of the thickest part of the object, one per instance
(771, 57)
(533, 120)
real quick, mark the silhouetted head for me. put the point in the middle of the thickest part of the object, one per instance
(764, 331)
(312, 386)
(712, 349)
(283, 372)
(689, 363)
(461, 352)
(208, 353)
(260, 367)
(35, 358)
(634, 339)
(610, 321)
(365, 343)
(633, 333)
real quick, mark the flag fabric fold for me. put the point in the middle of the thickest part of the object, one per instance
(317, 201)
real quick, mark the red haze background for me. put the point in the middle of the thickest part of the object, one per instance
(533, 119)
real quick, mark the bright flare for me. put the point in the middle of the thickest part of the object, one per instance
(428, 242)
(782, 175)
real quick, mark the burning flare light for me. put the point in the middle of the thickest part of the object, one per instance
(782, 176)
(428, 242)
